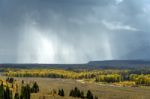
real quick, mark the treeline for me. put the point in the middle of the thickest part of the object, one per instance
(9, 90)
(108, 76)
(80, 94)
(77, 93)
(26, 90)
(54, 73)
(141, 79)
(5, 93)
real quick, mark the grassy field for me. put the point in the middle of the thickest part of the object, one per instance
(103, 91)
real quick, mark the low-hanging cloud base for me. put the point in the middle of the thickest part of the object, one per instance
(73, 31)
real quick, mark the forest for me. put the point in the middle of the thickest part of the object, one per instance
(132, 78)
(9, 89)
(72, 83)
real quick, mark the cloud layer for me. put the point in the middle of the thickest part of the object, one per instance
(73, 31)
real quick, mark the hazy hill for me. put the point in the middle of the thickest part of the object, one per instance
(120, 64)
(109, 64)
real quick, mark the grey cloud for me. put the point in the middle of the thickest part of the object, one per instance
(73, 31)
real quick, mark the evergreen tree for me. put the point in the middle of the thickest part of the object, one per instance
(7, 93)
(22, 82)
(35, 88)
(82, 94)
(61, 92)
(96, 97)
(25, 92)
(2, 91)
(89, 95)
(76, 93)
(16, 96)
(71, 93)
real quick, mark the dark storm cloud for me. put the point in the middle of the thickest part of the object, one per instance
(69, 31)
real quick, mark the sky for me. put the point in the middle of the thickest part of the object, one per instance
(74, 31)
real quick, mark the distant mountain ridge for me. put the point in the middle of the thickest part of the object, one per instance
(117, 62)
(106, 64)
(121, 63)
